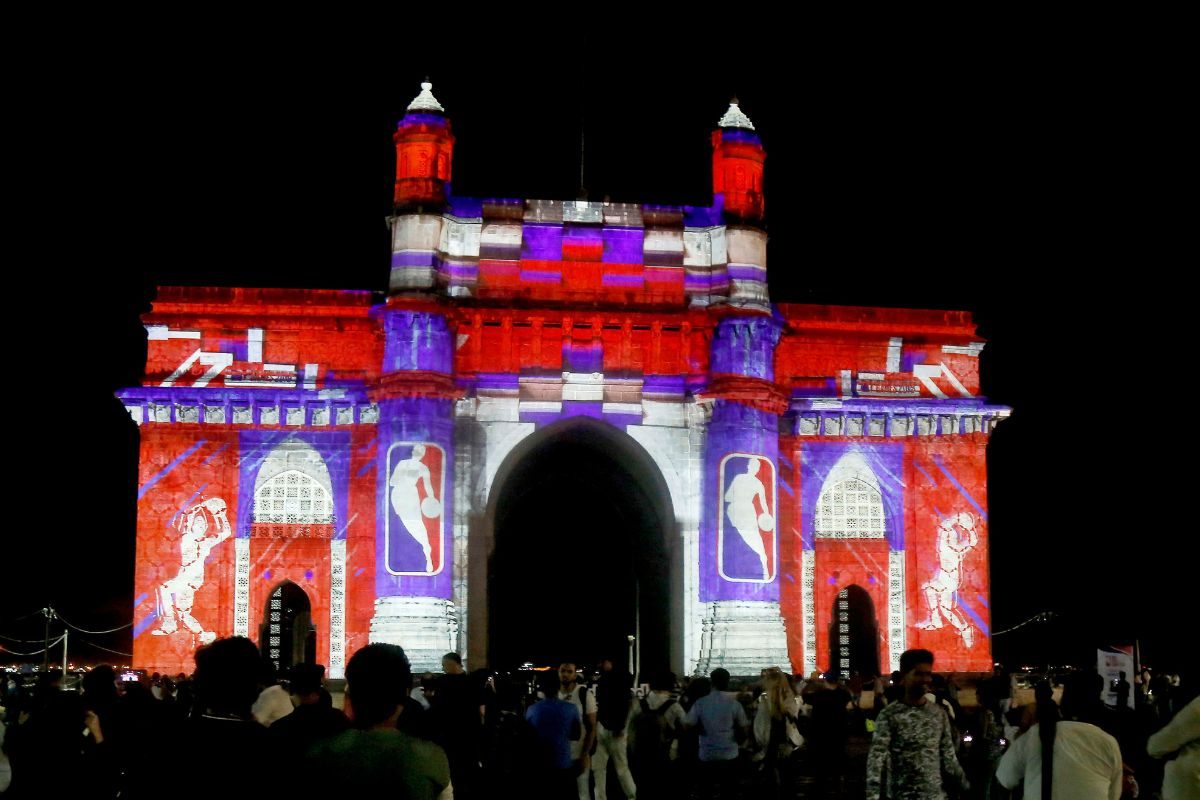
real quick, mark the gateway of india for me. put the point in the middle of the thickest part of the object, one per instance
(321, 469)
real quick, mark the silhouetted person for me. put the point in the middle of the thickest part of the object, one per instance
(722, 723)
(557, 725)
(221, 734)
(614, 700)
(374, 755)
(456, 722)
(1122, 687)
(311, 721)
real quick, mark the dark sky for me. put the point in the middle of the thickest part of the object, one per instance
(1028, 188)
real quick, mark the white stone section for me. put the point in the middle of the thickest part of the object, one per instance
(369, 414)
(345, 415)
(663, 240)
(925, 425)
(501, 438)
(320, 416)
(587, 386)
(160, 413)
(808, 611)
(734, 117)
(661, 414)
(973, 349)
(425, 101)
(582, 211)
(498, 409)
(895, 344)
(539, 407)
(743, 636)
(697, 247)
(241, 587)
(854, 426)
(135, 412)
(269, 415)
(896, 609)
(295, 415)
(161, 333)
(876, 426)
(254, 345)
(460, 238)
(242, 416)
(678, 452)
(464, 456)
(187, 413)
(214, 415)
(901, 426)
(337, 608)
(426, 627)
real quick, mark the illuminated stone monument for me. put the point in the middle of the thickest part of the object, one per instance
(320, 470)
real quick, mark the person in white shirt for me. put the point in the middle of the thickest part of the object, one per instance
(1181, 736)
(1061, 759)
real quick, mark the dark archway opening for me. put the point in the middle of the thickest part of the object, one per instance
(854, 634)
(287, 636)
(580, 560)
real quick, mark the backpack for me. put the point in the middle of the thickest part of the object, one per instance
(652, 734)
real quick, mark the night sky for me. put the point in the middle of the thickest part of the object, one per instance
(1026, 189)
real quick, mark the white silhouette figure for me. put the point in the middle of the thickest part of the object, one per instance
(940, 591)
(746, 520)
(202, 527)
(407, 503)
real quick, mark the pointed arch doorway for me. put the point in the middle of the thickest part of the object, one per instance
(287, 635)
(580, 557)
(854, 634)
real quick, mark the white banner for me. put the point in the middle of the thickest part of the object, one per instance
(1110, 663)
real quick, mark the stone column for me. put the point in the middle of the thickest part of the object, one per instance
(414, 567)
(743, 629)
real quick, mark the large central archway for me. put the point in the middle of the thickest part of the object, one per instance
(580, 555)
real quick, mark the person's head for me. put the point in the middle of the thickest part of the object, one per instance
(452, 664)
(100, 685)
(377, 681)
(720, 679)
(1122, 674)
(606, 666)
(662, 682)
(751, 466)
(567, 675)
(227, 676)
(916, 669)
(418, 451)
(548, 683)
(306, 681)
(779, 691)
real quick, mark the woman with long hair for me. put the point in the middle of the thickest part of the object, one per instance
(775, 729)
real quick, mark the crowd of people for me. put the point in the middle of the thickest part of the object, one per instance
(234, 729)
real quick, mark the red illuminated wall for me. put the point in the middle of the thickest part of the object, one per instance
(944, 477)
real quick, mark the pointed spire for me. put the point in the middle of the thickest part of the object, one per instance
(734, 118)
(425, 101)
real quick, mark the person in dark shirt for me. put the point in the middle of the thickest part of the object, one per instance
(374, 755)
(311, 721)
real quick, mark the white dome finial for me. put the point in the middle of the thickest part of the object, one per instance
(734, 118)
(425, 101)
